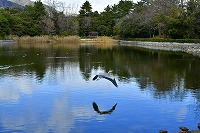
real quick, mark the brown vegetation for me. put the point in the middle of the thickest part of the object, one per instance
(48, 39)
(41, 41)
(99, 40)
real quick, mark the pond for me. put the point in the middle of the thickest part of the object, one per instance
(50, 88)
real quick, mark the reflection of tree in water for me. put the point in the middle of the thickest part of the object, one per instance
(85, 62)
(169, 74)
(93, 58)
(196, 105)
(193, 75)
(20, 58)
(20, 62)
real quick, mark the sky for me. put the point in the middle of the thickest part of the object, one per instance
(97, 5)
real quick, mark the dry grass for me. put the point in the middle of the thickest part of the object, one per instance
(99, 40)
(104, 39)
(34, 45)
(36, 39)
(48, 39)
(57, 41)
(47, 45)
(68, 39)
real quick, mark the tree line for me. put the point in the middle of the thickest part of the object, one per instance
(177, 19)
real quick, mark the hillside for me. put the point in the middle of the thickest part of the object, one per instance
(22, 2)
(6, 3)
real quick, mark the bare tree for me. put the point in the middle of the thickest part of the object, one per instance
(61, 17)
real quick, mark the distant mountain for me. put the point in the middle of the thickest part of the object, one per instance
(6, 3)
(22, 2)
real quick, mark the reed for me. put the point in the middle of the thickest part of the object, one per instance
(104, 39)
(99, 40)
(67, 39)
(35, 39)
(48, 39)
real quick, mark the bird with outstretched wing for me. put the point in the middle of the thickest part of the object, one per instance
(96, 77)
(96, 108)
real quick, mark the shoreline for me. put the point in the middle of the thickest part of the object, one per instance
(190, 48)
(7, 42)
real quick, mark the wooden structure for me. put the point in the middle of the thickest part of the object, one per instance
(93, 33)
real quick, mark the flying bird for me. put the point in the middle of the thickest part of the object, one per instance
(96, 108)
(106, 77)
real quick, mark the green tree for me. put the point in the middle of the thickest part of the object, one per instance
(32, 17)
(137, 23)
(85, 18)
(197, 22)
(16, 25)
(176, 26)
(86, 9)
(112, 14)
(4, 26)
(193, 19)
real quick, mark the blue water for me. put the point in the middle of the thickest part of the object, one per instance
(51, 90)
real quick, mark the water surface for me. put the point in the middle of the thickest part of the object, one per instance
(49, 88)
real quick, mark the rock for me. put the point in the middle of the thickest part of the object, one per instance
(184, 128)
(163, 131)
(199, 126)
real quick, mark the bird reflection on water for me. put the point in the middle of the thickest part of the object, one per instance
(106, 77)
(96, 108)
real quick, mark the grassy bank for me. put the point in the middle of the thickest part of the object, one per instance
(98, 40)
(163, 40)
(101, 40)
(68, 39)
(48, 39)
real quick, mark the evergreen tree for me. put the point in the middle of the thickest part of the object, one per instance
(86, 9)
(85, 18)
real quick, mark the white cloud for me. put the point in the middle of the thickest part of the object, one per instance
(15, 88)
(96, 4)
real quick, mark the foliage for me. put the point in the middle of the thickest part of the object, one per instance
(175, 19)
(166, 18)
(4, 26)
(86, 9)
(22, 22)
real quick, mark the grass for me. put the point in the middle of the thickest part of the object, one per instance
(58, 41)
(48, 39)
(164, 40)
(99, 40)
(47, 45)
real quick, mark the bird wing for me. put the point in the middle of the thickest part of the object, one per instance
(96, 108)
(112, 80)
(113, 108)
